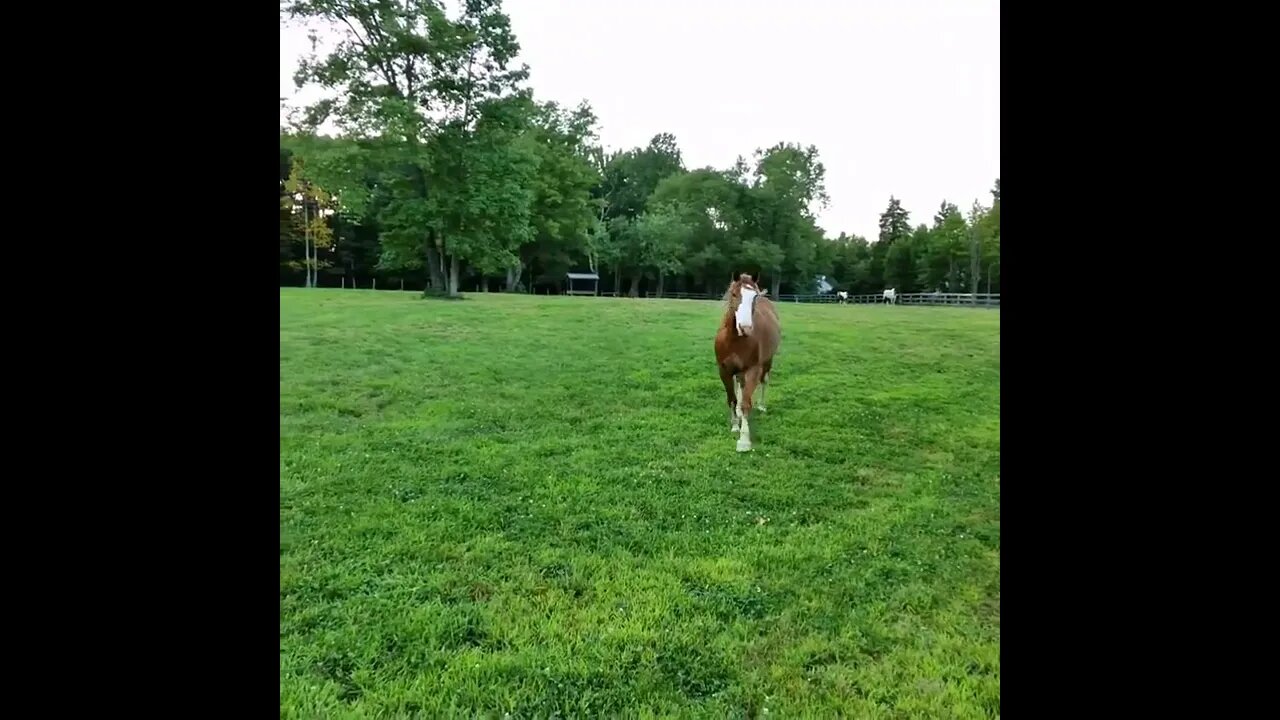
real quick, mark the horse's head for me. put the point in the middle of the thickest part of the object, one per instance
(742, 296)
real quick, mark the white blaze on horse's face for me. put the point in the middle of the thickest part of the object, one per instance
(745, 308)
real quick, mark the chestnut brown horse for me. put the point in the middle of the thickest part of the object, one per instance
(746, 342)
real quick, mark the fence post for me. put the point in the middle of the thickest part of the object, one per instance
(375, 283)
(344, 282)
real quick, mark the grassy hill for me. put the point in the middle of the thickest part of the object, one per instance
(532, 505)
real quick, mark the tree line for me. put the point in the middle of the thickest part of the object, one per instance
(447, 173)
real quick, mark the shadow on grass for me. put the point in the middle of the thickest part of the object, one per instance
(430, 294)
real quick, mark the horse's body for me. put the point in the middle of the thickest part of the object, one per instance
(746, 342)
(891, 295)
(842, 297)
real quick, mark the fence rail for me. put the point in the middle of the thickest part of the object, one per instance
(989, 300)
(963, 299)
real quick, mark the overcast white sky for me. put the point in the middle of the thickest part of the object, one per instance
(901, 97)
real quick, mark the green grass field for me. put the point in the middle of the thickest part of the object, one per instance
(533, 506)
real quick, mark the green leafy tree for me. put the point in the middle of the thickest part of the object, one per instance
(446, 159)
(566, 224)
(711, 207)
(632, 176)
(947, 249)
(289, 229)
(758, 256)
(484, 178)
(606, 248)
(627, 246)
(975, 236)
(895, 227)
(627, 181)
(895, 222)
(989, 234)
(902, 257)
(663, 233)
(850, 264)
(437, 101)
(313, 205)
(789, 186)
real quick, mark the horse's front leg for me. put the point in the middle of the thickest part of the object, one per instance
(733, 392)
(751, 378)
(735, 424)
(764, 385)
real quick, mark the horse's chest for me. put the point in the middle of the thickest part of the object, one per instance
(741, 354)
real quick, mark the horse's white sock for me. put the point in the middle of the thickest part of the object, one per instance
(744, 433)
(733, 412)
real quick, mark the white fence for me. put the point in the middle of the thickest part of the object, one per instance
(990, 300)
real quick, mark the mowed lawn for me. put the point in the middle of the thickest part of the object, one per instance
(532, 505)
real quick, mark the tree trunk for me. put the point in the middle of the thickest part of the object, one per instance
(306, 242)
(452, 287)
(434, 264)
(660, 283)
(635, 286)
(617, 280)
(777, 285)
(975, 265)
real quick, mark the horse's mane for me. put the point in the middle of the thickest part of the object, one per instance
(743, 279)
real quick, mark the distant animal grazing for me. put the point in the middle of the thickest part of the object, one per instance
(746, 341)
(842, 297)
(891, 295)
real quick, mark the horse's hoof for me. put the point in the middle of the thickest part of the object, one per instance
(744, 445)
(762, 408)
